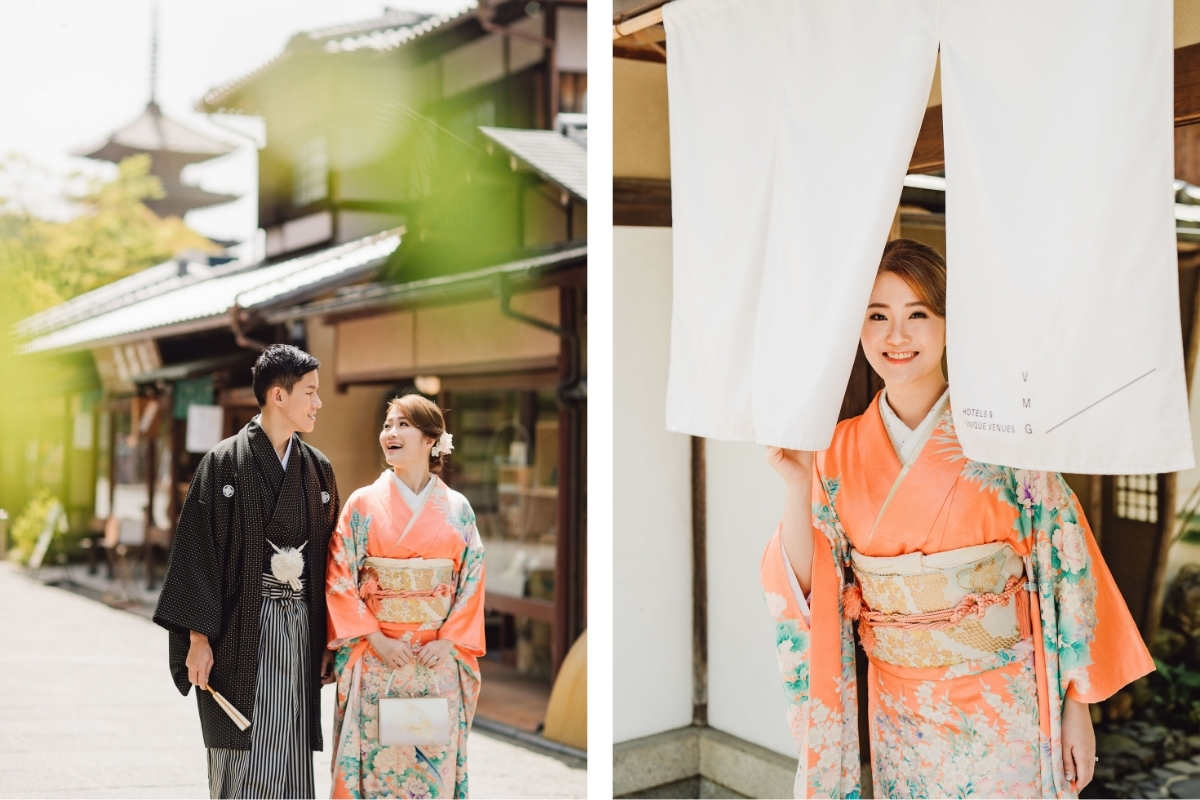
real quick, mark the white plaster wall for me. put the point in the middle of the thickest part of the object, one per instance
(652, 569)
(745, 500)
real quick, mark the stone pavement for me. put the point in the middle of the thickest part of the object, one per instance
(87, 709)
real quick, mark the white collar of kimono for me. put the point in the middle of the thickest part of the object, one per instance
(904, 440)
(287, 454)
(414, 500)
(283, 460)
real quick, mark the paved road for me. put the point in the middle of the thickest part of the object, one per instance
(87, 709)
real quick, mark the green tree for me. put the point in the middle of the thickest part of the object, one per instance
(43, 262)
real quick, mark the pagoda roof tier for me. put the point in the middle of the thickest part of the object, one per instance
(154, 133)
(181, 198)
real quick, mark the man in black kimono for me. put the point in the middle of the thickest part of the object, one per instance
(244, 593)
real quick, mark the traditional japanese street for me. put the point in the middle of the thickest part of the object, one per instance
(88, 710)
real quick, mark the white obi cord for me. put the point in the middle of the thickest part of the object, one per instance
(792, 127)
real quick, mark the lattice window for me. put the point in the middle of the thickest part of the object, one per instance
(1137, 497)
(311, 173)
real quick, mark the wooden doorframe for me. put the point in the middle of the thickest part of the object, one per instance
(1189, 302)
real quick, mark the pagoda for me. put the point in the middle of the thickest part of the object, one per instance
(171, 147)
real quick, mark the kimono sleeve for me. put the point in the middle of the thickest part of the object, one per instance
(349, 617)
(793, 628)
(1101, 649)
(464, 624)
(191, 593)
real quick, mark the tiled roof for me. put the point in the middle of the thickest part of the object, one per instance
(165, 277)
(560, 159)
(393, 29)
(392, 18)
(206, 304)
(441, 289)
(389, 37)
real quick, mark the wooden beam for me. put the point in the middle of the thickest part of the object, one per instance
(532, 607)
(640, 52)
(638, 23)
(1187, 85)
(640, 202)
(929, 155)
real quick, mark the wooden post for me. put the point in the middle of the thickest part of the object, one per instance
(151, 442)
(570, 552)
(699, 583)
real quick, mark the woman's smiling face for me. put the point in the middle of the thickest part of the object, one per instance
(902, 338)
(403, 444)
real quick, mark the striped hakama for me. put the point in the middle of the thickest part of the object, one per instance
(279, 761)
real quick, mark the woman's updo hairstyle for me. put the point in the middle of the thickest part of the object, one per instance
(921, 267)
(424, 415)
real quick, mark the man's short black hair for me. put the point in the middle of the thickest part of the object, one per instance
(280, 365)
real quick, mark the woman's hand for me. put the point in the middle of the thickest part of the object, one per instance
(395, 653)
(327, 658)
(199, 660)
(795, 528)
(435, 652)
(794, 466)
(1078, 743)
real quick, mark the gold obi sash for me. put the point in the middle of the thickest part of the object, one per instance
(939, 610)
(413, 591)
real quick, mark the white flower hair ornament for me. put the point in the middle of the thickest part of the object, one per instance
(443, 446)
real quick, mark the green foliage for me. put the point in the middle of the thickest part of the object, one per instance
(28, 527)
(43, 263)
(1176, 696)
(1189, 527)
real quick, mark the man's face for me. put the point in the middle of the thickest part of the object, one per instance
(299, 406)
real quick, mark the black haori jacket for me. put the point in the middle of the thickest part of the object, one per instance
(213, 583)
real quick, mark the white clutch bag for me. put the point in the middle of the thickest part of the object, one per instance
(422, 721)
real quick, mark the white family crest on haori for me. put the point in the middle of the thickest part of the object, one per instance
(325, 497)
(444, 445)
(227, 491)
(287, 565)
(777, 239)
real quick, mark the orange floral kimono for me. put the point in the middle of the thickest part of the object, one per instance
(987, 726)
(442, 598)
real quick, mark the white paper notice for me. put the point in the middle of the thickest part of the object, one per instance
(205, 424)
(83, 431)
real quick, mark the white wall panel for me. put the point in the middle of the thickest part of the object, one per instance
(745, 500)
(652, 571)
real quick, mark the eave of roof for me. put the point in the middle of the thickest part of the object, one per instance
(188, 369)
(165, 277)
(445, 289)
(380, 35)
(206, 304)
(557, 158)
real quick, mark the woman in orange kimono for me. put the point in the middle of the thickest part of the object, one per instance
(988, 616)
(405, 599)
